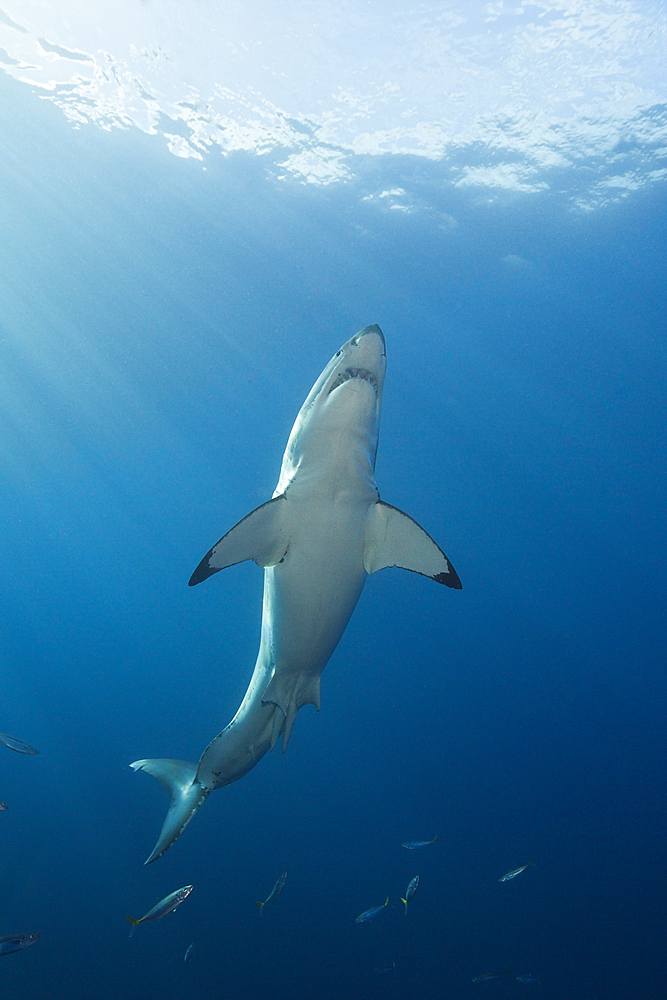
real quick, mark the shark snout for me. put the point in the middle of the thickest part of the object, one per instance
(370, 331)
(362, 357)
(367, 350)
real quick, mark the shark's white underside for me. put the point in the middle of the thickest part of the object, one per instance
(318, 538)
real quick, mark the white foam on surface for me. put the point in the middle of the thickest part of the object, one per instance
(521, 97)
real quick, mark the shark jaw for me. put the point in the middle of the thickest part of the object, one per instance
(343, 408)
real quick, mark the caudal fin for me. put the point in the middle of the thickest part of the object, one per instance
(261, 907)
(186, 794)
(406, 905)
(133, 922)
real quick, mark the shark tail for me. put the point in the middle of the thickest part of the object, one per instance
(179, 777)
(134, 923)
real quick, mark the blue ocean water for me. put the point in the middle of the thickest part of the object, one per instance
(160, 326)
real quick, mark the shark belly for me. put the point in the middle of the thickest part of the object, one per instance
(308, 600)
(313, 593)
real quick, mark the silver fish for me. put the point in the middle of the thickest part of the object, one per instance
(410, 891)
(373, 912)
(488, 976)
(160, 909)
(275, 892)
(508, 876)
(17, 745)
(16, 942)
(412, 845)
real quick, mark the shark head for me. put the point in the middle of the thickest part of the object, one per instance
(345, 400)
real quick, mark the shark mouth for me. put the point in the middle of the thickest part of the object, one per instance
(351, 373)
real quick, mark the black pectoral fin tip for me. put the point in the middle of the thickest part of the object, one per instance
(202, 572)
(450, 579)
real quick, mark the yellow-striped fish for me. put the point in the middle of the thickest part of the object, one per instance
(373, 912)
(160, 909)
(275, 892)
(508, 876)
(410, 891)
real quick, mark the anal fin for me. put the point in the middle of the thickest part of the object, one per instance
(278, 723)
(289, 725)
(290, 692)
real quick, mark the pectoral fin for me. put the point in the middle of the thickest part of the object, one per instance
(394, 539)
(261, 536)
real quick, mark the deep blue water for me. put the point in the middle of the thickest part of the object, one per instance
(160, 326)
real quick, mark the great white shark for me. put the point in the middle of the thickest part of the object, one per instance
(321, 534)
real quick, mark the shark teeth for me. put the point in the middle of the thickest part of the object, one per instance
(350, 373)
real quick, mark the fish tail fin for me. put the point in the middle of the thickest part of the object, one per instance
(386, 902)
(406, 905)
(179, 777)
(434, 839)
(261, 907)
(133, 922)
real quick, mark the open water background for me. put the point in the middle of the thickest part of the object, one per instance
(160, 326)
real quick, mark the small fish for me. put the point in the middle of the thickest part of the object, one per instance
(513, 874)
(188, 952)
(373, 912)
(528, 979)
(3, 807)
(275, 892)
(16, 942)
(488, 976)
(412, 845)
(161, 909)
(385, 969)
(17, 745)
(410, 891)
